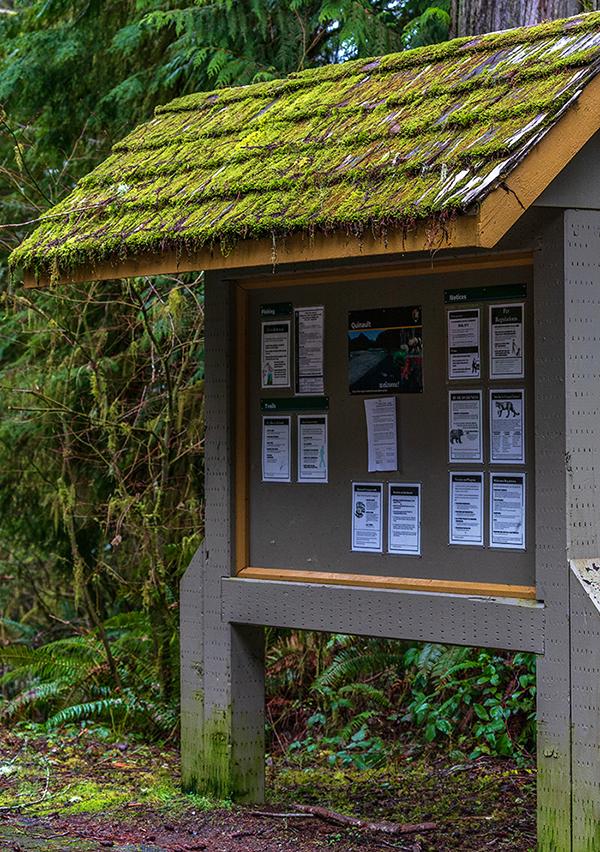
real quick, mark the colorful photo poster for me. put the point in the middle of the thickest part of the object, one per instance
(507, 356)
(465, 439)
(382, 435)
(275, 354)
(367, 517)
(466, 508)
(310, 331)
(404, 519)
(312, 448)
(276, 449)
(385, 350)
(507, 510)
(507, 426)
(464, 361)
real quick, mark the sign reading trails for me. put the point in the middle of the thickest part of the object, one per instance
(385, 350)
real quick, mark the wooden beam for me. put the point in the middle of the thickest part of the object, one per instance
(247, 254)
(242, 467)
(453, 587)
(505, 205)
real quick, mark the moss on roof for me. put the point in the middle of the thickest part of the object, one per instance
(368, 144)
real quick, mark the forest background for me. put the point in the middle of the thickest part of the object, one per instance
(101, 394)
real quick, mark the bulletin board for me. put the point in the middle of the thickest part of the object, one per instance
(307, 526)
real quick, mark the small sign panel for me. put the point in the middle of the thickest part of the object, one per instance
(276, 309)
(464, 361)
(466, 509)
(507, 426)
(465, 440)
(385, 350)
(312, 448)
(310, 330)
(276, 449)
(493, 293)
(404, 519)
(507, 510)
(367, 517)
(382, 435)
(507, 356)
(275, 354)
(294, 403)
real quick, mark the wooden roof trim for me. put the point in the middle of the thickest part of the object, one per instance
(524, 185)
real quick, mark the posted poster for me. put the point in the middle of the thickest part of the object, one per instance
(275, 354)
(312, 448)
(465, 441)
(382, 435)
(464, 361)
(507, 510)
(367, 517)
(466, 508)
(310, 330)
(404, 519)
(507, 358)
(385, 350)
(507, 426)
(276, 449)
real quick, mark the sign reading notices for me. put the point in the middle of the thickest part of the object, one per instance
(507, 510)
(507, 357)
(276, 449)
(464, 360)
(367, 517)
(466, 508)
(312, 448)
(385, 350)
(404, 519)
(309, 350)
(465, 441)
(507, 426)
(275, 354)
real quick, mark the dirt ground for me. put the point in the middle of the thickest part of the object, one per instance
(80, 792)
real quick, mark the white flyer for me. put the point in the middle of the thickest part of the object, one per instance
(310, 330)
(507, 510)
(276, 449)
(275, 354)
(466, 508)
(507, 426)
(367, 517)
(404, 518)
(312, 448)
(465, 439)
(464, 361)
(382, 435)
(507, 358)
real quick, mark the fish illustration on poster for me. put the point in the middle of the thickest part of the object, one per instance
(385, 350)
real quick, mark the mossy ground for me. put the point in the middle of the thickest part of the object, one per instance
(77, 790)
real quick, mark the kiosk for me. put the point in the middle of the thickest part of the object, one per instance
(402, 264)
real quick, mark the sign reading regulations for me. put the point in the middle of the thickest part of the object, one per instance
(385, 350)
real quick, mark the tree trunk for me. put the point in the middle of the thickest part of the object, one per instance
(471, 17)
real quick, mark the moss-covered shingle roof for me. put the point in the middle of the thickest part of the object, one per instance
(369, 144)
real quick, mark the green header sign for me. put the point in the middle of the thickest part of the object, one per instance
(498, 293)
(296, 403)
(276, 309)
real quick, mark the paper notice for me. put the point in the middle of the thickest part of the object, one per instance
(507, 358)
(276, 449)
(464, 360)
(507, 426)
(382, 435)
(367, 517)
(404, 519)
(507, 510)
(312, 448)
(275, 354)
(465, 440)
(310, 327)
(466, 508)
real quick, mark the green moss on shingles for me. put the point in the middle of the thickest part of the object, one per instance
(366, 145)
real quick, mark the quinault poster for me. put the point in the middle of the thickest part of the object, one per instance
(385, 350)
